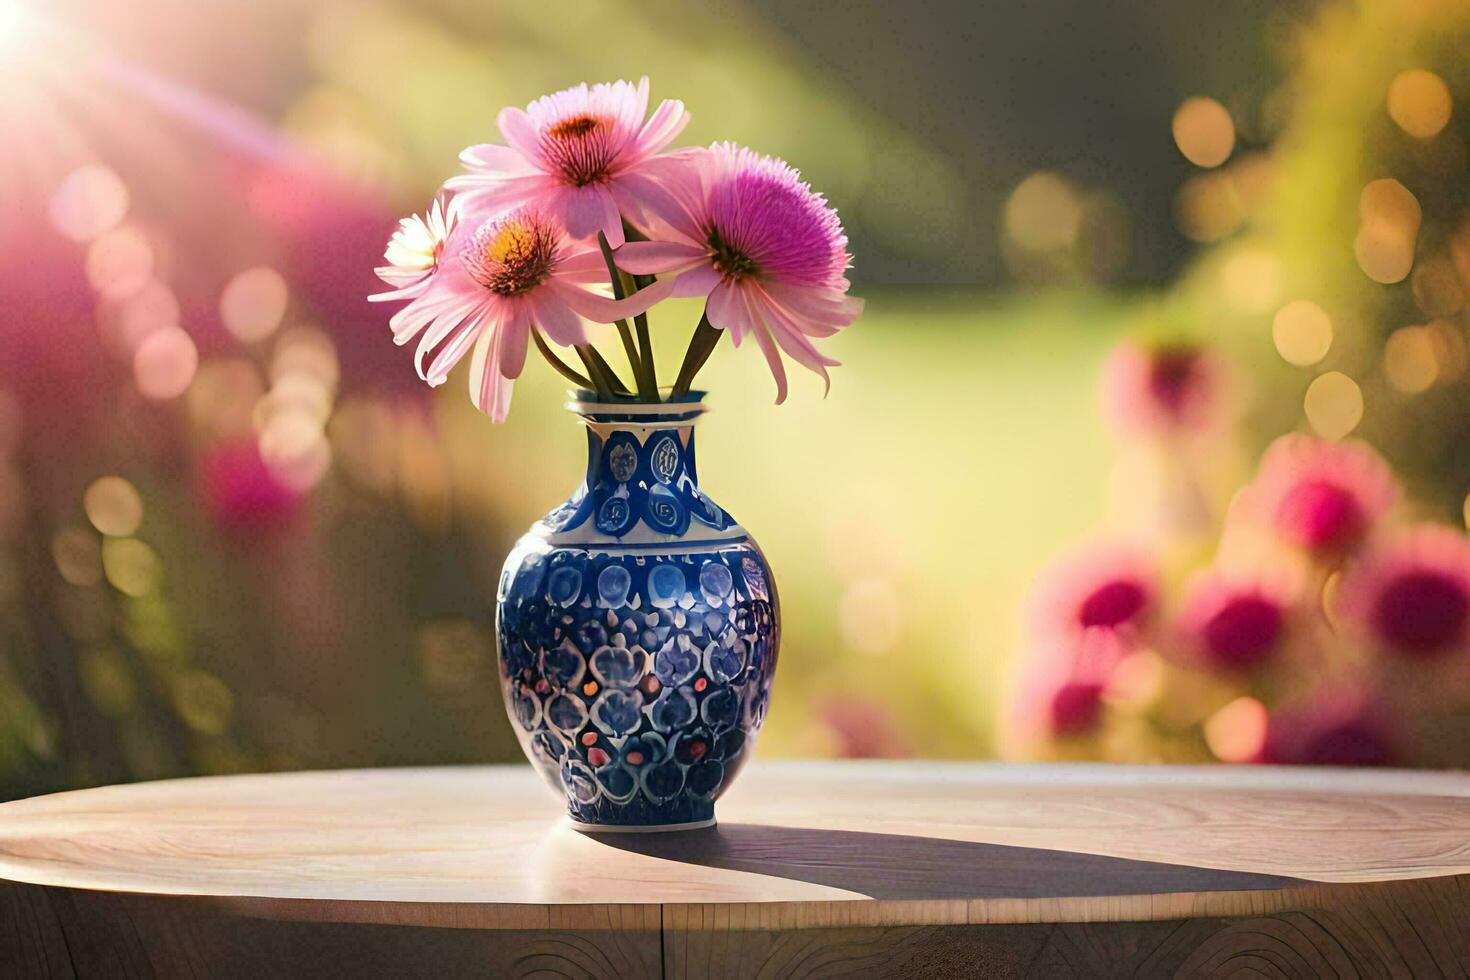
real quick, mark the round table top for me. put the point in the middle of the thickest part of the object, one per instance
(1001, 842)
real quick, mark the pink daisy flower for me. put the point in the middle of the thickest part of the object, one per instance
(768, 252)
(1338, 728)
(1410, 594)
(1319, 496)
(578, 156)
(493, 282)
(1163, 388)
(1109, 587)
(414, 251)
(1232, 623)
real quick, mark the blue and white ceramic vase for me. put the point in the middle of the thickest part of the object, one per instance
(638, 627)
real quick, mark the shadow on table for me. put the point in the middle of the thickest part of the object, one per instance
(896, 866)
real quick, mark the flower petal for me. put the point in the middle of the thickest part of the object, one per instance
(726, 310)
(512, 339)
(520, 132)
(494, 160)
(698, 281)
(766, 342)
(557, 320)
(604, 310)
(587, 210)
(452, 351)
(650, 258)
(667, 122)
(489, 389)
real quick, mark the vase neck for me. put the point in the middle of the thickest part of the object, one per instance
(641, 485)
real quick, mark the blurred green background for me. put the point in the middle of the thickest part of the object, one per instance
(291, 556)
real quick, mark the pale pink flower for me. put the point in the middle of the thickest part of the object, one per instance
(1409, 594)
(1107, 586)
(1320, 496)
(414, 251)
(1233, 622)
(495, 280)
(769, 252)
(1163, 388)
(579, 156)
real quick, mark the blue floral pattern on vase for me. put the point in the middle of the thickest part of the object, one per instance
(638, 627)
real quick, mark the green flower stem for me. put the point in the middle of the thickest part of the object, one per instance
(701, 345)
(640, 321)
(597, 367)
(561, 367)
(640, 355)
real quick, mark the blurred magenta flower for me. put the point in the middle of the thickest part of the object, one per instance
(769, 252)
(241, 493)
(1149, 390)
(1319, 496)
(1233, 623)
(578, 156)
(509, 276)
(1110, 587)
(1409, 594)
(1338, 728)
(1062, 694)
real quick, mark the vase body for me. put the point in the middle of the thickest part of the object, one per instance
(638, 627)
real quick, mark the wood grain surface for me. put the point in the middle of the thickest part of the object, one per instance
(816, 869)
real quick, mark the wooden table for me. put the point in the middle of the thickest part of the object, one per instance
(816, 869)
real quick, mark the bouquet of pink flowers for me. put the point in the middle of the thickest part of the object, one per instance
(1322, 630)
(582, 217)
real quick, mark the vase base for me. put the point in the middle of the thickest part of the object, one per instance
(651, 828)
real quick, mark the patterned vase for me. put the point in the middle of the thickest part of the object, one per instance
(638, 627)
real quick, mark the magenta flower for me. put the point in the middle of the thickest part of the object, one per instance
(495, 281)
(1063, 692)
(768, 252)
(1109, 587)
(1321, 497)
(1337, 728)
(1233, 623)
(1409, 595)
(578, 156)
(1163, 388)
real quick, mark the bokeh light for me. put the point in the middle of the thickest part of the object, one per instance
(1333, 405)
(1410, 360)
(78, 556)
(1419, 101)
(164, 364)
(1204, 131)
(1302, 332)
(1388, 227)
(114, 506)
(253, 303)
(131, 566)
(1237, 732)
(1043, 212)
(90, 201)
(120, 262)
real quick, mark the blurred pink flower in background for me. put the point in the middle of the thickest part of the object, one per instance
(577, 156)
(1337, 728)
(1107, 586)
(508, 275)
(1319, 496)
(769, 252)
(1233, 623)
(860, 728)
(1164, 388)
(1409, 594)
(240, 491)
(1062, 692)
